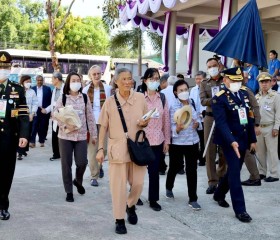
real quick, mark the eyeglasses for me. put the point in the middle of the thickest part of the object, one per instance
(153, 79)
(95, 74)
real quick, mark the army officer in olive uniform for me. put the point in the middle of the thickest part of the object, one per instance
(235, 133)
(14, 129)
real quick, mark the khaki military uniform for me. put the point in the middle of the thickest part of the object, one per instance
(267, 144)
(249, 159)
(208, 89)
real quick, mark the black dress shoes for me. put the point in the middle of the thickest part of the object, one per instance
(54, 158)
(4, 215)
(69, 197)
(262, 176)
(244, 217)
(131, 215)
(250, 182)
(155, 206)
(80, 187)
(120, 227)
(211, 189)
(222, 202)
(271, 179)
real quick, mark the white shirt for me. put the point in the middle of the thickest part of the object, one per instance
(194, 94)
(96, 101)
(168, 92)
(51, 107)
(40, 96)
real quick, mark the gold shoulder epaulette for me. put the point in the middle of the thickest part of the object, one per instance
(220, 93)
(243, 87)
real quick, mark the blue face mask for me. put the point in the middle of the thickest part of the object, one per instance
(153, 86)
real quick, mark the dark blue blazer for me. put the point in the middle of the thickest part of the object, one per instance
(275, 87)
(47, 95)
(228, 128)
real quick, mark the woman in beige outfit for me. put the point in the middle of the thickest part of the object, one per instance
(121, 168)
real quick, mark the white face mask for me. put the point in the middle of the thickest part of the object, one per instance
(183, 96)
(234, 87)
(153, 86)
(4, 74)
(213, 72)
(278, 83)
(75, 86)
(27, 85)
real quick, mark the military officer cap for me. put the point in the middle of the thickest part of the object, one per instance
(264, 76)
(234, 74)
(5, 59)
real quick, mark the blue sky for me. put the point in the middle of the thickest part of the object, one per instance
(85, 8)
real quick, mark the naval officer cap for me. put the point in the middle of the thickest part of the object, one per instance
(234, 74)
(264, 76)
(5, 59)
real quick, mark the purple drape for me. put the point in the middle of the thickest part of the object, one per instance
(165, 41)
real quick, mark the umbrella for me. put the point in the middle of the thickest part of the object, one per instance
(242, 38)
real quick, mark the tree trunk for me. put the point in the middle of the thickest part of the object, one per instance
(139, 52)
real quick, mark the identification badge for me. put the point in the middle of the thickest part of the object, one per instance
(14, 96)
(14, 113)
(3, 107)
(242, 116)
(215, 90)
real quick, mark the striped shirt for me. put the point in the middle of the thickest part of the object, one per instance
(187, 136)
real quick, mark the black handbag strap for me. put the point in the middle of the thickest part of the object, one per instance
(138, 135)
(121, 115)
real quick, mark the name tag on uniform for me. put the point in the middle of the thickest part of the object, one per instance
(242, 116)
(14, 96)
(215, 90)
(267, 108)
(3, 107)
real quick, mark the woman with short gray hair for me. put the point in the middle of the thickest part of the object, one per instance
(121, 168)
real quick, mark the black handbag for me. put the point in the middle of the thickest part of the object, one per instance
(141, 152)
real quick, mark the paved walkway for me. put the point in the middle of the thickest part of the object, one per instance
(39, 210)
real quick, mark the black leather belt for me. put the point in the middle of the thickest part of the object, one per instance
(209, 114)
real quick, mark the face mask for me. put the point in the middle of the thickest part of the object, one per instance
(183, 96)
(27, 85)
(4, 74)
(278, 83)
(234, 87)
(75, 86)
(153, 86)
(213, 72)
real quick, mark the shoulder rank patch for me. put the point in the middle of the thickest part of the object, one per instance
(243, 87)
(220, 93)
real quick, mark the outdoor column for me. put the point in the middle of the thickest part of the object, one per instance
(195, 60)
(172, 45)
(234, 8)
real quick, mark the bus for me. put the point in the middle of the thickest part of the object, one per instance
(34, 59)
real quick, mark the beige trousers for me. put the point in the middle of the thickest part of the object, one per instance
(120, 174)
(213, 173)
(251, 165)
(267, 152)
(94, 166)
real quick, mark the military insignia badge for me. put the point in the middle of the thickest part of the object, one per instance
(3, 58)
(238, 71)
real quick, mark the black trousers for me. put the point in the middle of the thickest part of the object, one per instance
(162, 164)
(8, 150)
(153, 170)
(40, 126)
(231, 180)
(55, 145)
(22, 151)
(177, 153)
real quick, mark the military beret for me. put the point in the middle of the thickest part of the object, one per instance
(235, 74)
(5, 59)
(263, 76)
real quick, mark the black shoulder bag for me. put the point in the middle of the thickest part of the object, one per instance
(140, 153)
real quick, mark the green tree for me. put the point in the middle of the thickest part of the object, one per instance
(52, 10)
(79, 35)
(16, 28)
